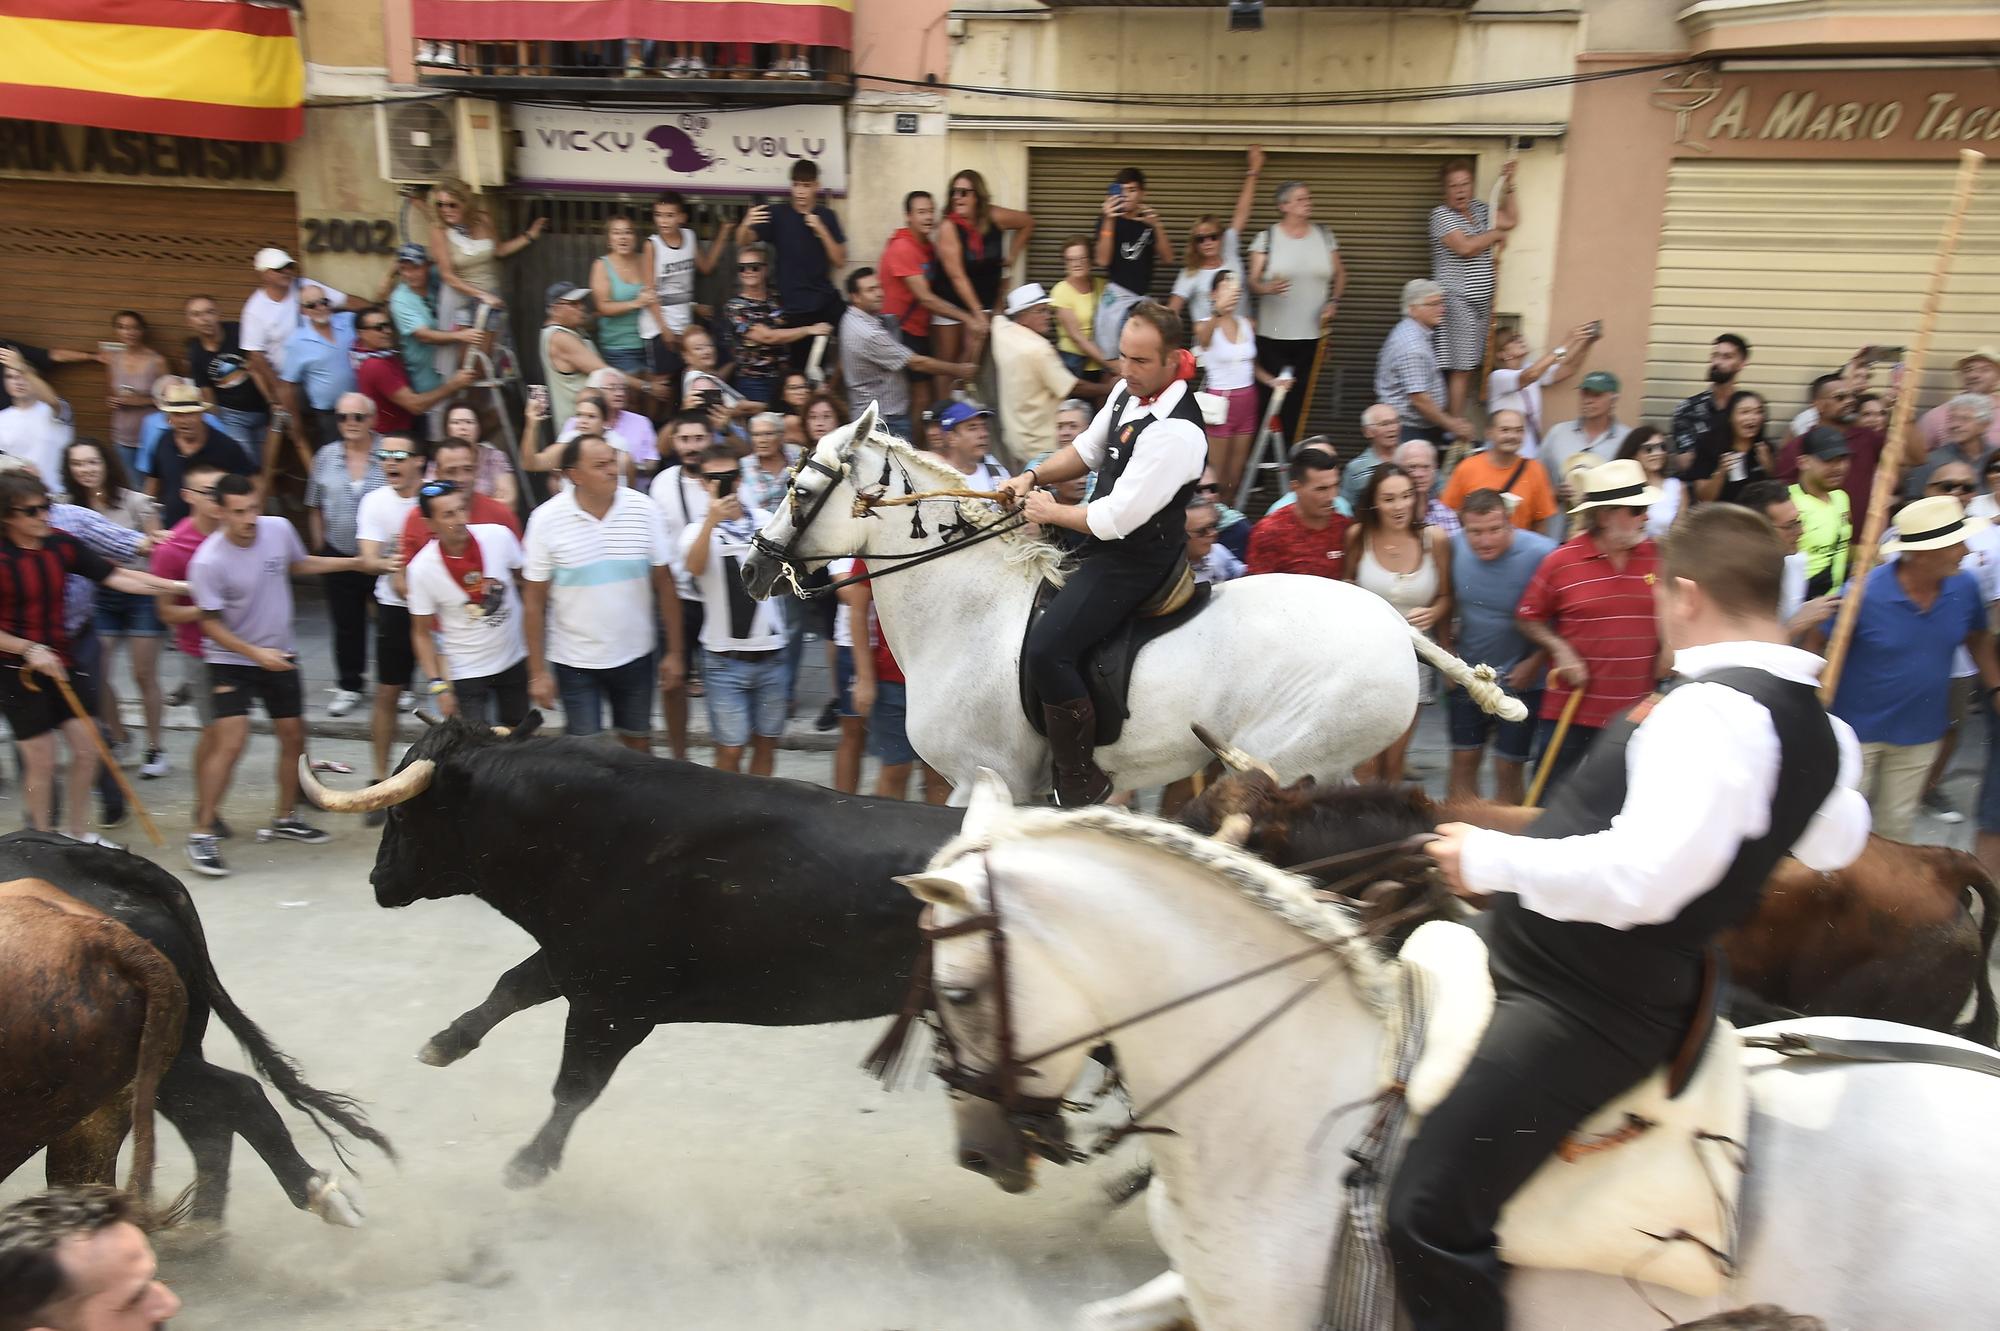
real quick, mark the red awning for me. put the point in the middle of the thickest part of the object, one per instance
(806, 22)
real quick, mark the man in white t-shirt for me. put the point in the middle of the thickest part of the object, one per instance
(674, 253)
(682, 498)
(743, 640)
(1516, 383)
(465, 612)
(378, 534)
(966, 438)
(598, 587)
(271, 315)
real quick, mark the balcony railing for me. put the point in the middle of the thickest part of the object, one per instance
(733, 69)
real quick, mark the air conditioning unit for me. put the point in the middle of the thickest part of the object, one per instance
(418, 142)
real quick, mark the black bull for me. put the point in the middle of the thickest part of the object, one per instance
(657, 891)
(208, 1105)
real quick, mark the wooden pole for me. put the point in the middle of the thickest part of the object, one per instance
(103, 754)
(1548, 766)
(1312, 386)
(1889, 467)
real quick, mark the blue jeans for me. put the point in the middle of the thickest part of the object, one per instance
(632, 360)
(627, 688)
(745, 697)
(245, 427)
(898, 424)
(887, 738)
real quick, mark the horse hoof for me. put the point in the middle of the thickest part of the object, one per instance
(326, 1199)
(524, 1171)
(439, 1054)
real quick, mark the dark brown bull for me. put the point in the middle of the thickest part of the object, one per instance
(1891, 936)
(90, 1017)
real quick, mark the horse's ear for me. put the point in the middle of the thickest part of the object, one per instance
(938, 888)
(991, 803)
(866, 426)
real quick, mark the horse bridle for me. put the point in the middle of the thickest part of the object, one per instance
(1039, 1118)
(794, 564)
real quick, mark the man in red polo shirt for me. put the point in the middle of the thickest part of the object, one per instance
(1307, 536)
(907, 294)
(1590, 607)
(457, 461)
(379, 373)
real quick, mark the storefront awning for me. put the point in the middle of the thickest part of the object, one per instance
(217, 69)
(806, 22)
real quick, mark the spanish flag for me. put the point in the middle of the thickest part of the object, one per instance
(216, 69)
(805, 22)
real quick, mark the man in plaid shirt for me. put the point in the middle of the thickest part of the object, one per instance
(1407, 376)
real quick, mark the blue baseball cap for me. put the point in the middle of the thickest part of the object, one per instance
(958, 413)
(413, 254)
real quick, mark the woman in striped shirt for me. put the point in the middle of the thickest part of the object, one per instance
(1465, 235)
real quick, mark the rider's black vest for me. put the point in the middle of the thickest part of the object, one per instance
(1653, 971)
(1164, 535)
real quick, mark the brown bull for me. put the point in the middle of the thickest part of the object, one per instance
(90, 1017)
(1891, 936)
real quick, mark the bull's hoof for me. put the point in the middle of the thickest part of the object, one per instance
(444, 1050)
(526, 1170)
(327, 1199)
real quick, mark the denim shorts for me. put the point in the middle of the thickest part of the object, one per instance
(843, 681)
(628, 688)
(1471, 726)
(131, 614)
(632, 360)
(744, 697)
(887, 739)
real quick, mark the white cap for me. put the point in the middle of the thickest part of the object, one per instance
(271, 257)
(1025, 297)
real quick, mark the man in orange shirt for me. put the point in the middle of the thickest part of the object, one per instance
(1500, 466)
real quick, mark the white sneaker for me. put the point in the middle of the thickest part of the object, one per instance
(156, 764)
(344, 701)
(406, 701)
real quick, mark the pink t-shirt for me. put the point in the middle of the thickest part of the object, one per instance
(171, 558)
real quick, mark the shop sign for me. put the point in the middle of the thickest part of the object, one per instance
(728, 152)
(1831, 113)
(42, 146)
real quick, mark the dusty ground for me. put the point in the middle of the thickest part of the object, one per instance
(729, 1178)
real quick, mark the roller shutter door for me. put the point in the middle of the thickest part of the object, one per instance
(1378, 206)
(72, 253)
(1809, 261)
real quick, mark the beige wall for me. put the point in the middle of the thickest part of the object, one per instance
(347, 34)
(1632, 25)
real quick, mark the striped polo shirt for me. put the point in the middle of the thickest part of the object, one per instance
(600, 572)
(1607, 615)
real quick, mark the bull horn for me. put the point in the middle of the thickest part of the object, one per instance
(1235, 830)
(1233, 757)
(407, 784)
(428, 720)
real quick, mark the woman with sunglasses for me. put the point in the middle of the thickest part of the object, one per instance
(1213, 247)
(757, 331)
(1648, 447)
(973, 259)
(467, 249)
(1299, 277)
(343, 473)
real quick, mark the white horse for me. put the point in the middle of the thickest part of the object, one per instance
(1312, 675)
(1871, 1198)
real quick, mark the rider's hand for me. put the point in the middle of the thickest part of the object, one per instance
(1016, 488)
(1043, 507)
(1447, 850)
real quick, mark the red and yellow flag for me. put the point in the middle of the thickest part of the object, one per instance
(217, 69)
(806, 22)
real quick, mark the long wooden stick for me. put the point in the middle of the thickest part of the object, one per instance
(103, 753)
(1312, 385)
(1889, 467)
(1548, 766)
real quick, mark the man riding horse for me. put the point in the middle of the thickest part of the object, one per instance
(1601, 913)
(1148, 447)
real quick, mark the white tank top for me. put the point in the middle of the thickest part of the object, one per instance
(1229, 364)
(1405, 591)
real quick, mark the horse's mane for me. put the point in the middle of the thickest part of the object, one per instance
(1035, 557)
(1285, 895)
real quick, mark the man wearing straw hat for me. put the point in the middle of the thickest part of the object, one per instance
(1895, 685)
(1590, 607)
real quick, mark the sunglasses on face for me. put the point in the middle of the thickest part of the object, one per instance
(957, 190)
(1954, 487)
(356, 415)
(1203, 237)
(392, 455)
(32, 510)
(436, 489)
(749, 267)
(374, 328)
(314, 304)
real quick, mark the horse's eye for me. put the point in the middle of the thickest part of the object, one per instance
(958, 997)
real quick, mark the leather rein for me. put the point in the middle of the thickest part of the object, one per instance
(1038, 1118)
(956, 535)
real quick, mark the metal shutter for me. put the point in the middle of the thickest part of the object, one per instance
(1810, 261)
(1377, 205)
(72, 253)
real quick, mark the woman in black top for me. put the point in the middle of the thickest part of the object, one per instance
(1734, 454)
(972, 256)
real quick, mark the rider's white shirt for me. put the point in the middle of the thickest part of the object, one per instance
(1175, 453)
(1700, 772)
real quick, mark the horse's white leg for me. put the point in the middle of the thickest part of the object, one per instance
(1158, 1305)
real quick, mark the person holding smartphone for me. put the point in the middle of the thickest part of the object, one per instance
(743, 641)
(810, 245)
(1131, 240)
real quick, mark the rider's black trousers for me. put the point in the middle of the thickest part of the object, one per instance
(1102, 592)
(1541, 1070)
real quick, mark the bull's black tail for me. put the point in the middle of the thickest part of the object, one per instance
(1984, 1028)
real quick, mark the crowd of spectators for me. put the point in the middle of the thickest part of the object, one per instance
(594, 565)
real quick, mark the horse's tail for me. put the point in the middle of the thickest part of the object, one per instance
(1478, 681)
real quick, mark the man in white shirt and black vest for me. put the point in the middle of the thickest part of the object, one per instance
(1601, 912)
(1148, 447)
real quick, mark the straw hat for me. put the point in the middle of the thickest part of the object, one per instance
(1619, 483)
(1931, 524)
(175, 396)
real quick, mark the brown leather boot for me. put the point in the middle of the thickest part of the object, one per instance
(1072, 728)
